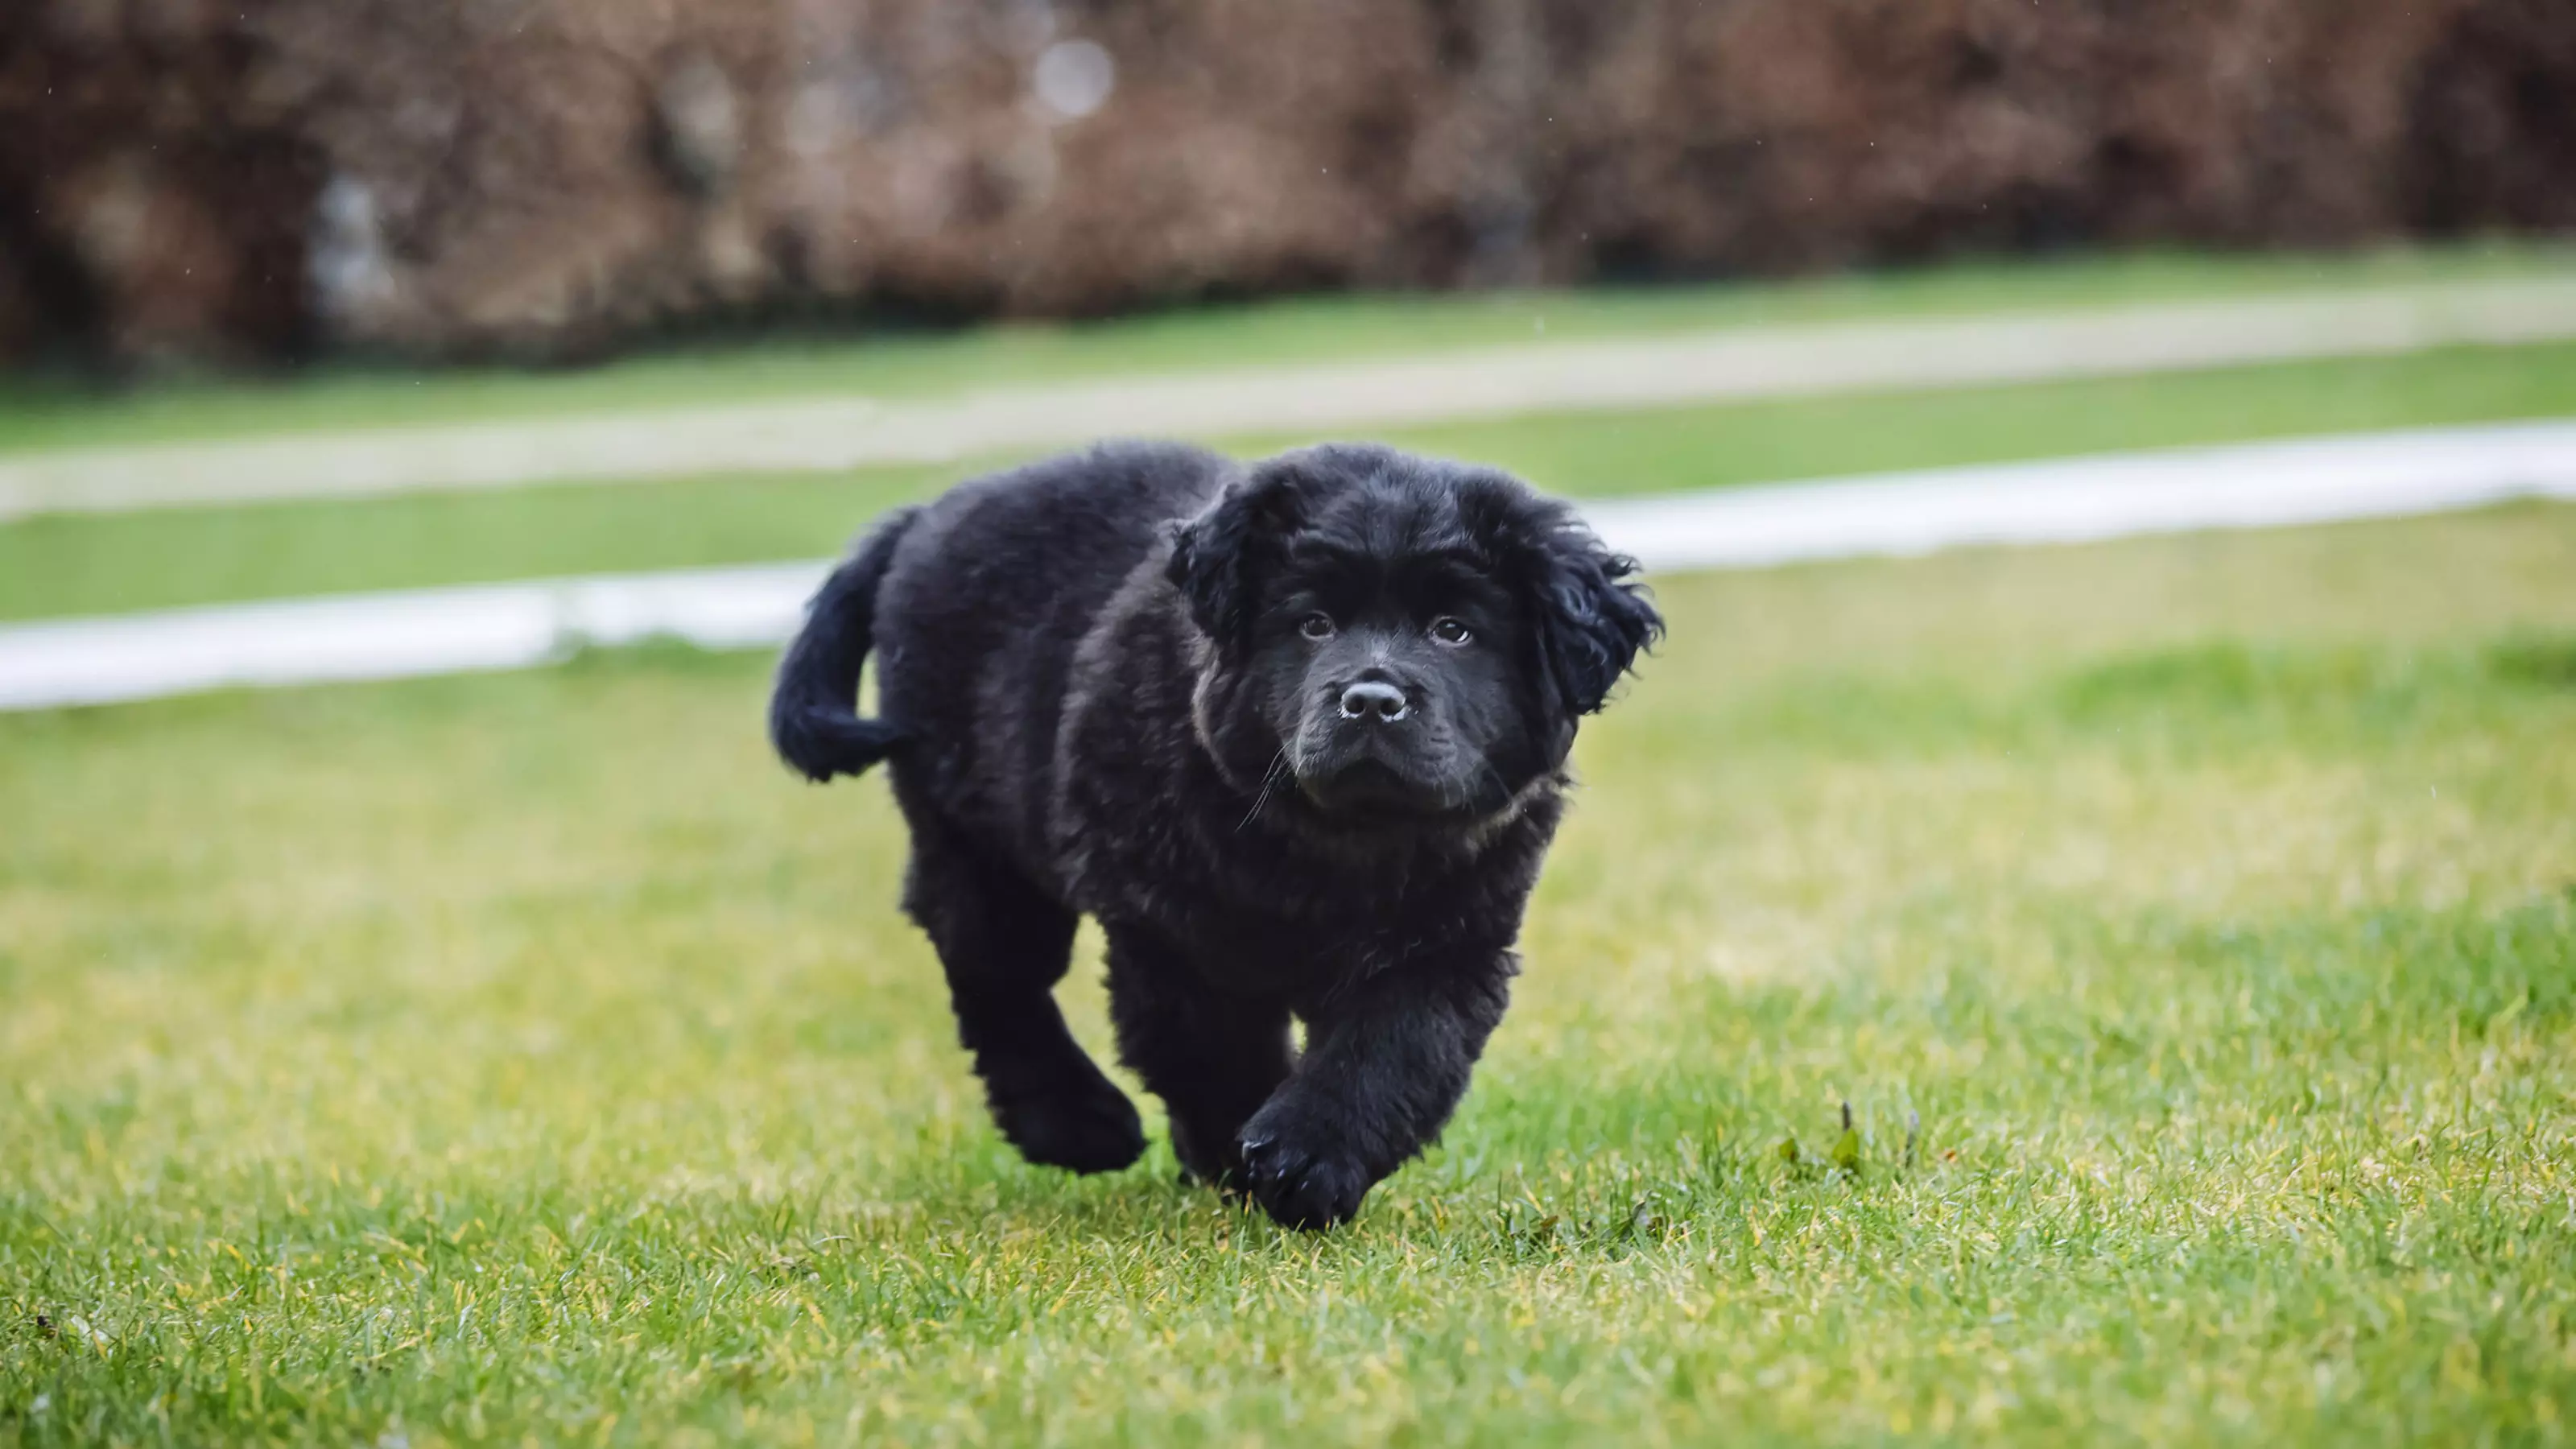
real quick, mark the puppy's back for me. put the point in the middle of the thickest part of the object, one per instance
(985, 602)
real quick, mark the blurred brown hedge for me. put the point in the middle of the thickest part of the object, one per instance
(553, 177)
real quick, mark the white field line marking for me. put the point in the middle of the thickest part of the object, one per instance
(1732, 365)
(511, 626)
(2078, 500)
(393, 635)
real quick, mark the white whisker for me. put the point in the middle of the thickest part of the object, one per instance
(1269, 780)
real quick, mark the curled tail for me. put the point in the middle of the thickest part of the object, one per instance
(813, 715)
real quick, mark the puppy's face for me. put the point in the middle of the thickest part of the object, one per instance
(1404, 641)
(1387, 671)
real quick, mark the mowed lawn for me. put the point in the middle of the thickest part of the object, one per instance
(2189, 924)
(59, 564)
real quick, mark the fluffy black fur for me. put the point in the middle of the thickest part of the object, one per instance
(1294, 733)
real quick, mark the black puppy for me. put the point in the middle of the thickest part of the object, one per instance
(1294, 733)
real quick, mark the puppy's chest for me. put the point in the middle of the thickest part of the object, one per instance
(1310, 965)
(1305, 938)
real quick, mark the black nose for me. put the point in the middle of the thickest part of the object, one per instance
(1372, 699)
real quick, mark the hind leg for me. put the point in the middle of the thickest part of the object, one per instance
(1005, 946)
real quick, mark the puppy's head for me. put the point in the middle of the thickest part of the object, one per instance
(1409, 641)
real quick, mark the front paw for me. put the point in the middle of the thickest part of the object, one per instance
(1300, 1180)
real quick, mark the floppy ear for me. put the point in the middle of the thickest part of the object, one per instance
(1593, 618)
(1216, 557)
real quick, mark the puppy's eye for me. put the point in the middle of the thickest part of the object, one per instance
(1316, 626)
(1450, 631)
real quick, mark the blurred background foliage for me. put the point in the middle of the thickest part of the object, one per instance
(187, 180)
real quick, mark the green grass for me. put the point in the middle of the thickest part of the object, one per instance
(41, 412)
(73, 564)
(528, 1058)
